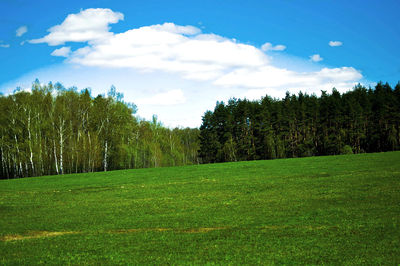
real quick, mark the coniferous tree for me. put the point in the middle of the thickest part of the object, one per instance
(360, 120)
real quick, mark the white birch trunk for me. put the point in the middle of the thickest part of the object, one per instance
(105, 156)
(21, 169)
(89, 151)
(3, 161)
(55, 156)
(61, 147)
(18, 170)
(30, 144)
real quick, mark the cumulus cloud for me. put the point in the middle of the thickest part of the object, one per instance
(278, 78)
(63, 51)
(187, 52)
(171, 97)
(172, 28)
(21, 31)
(269, 47)
(343, 79)
(316, 58)
(172, 48)
(88, 25)
(335, 43)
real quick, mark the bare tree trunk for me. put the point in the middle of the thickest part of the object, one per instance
(26, 169)
(3, 161)
(18, 162)
(171, 144)
(61, 131)
(105, 157)
(136, 150)
(8, 163)
(30, 144)
(77, 152)
(55, 156)
(39, 138)
(21, 169)
(89, 151)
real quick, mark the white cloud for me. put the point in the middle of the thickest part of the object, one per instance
(279, 79)
(171, 97)
(335, 43)
(63, 51)
(171, 48)
(172, 28)
(88, 25)
(206, 67)
(186, 51)
(269, 47)
(21, 31)
(316, 58)
(2, 45)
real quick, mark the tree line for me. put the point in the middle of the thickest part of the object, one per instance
(54, 130)
(358, 121)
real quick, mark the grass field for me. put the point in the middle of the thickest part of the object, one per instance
(331, 210)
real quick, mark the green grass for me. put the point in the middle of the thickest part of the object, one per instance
(331, 210)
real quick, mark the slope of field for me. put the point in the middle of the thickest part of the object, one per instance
(335, 209)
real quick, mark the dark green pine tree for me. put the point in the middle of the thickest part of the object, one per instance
(361, 120)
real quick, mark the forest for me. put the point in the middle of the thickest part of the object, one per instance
(54, 130)
(358, 121)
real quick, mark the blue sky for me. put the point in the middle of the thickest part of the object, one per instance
(177, 58)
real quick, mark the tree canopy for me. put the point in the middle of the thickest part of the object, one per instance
(53, 130)
(360, 120)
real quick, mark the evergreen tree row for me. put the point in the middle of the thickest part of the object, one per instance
(53, 130)
(361, 120)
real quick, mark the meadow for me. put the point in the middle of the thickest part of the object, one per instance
(317, 210)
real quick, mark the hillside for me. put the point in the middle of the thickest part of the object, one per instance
(334, 209)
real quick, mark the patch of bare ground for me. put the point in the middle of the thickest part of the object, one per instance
(36, 234)
(42, 234)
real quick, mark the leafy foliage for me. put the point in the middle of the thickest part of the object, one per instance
(53, 130)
